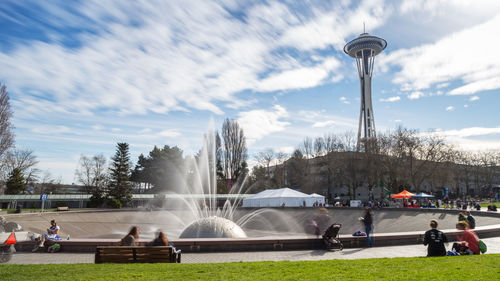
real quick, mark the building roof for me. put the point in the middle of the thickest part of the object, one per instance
(278, 193)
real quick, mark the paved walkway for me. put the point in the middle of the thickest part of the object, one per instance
(305, 255)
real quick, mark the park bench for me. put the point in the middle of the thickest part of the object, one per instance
(137, 254)
(66, 208)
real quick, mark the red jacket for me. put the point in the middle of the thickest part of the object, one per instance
(472, 240)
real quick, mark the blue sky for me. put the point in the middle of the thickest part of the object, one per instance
(83, 75)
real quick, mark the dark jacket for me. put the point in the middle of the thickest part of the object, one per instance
(156, 242)
(435, 239)
(471, 221)
(368, 219)
(129, 240)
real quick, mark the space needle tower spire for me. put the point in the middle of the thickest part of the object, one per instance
(364, 48)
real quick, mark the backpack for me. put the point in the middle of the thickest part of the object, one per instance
(482, 247)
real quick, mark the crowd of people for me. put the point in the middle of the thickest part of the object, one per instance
(468, 242)
(131, 239)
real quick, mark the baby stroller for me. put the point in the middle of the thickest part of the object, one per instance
(331, 237)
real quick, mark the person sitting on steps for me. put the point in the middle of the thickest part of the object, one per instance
(435, 239)
(52, 235)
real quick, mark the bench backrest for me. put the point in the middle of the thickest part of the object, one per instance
(134, 254)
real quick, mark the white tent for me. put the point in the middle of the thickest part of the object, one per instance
(276, 198)
(318, 198)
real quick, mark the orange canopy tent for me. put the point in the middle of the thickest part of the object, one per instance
(403, 194)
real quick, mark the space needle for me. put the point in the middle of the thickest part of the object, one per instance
(364, 49)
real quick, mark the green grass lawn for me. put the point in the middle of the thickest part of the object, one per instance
(485, 267)
(487, 204)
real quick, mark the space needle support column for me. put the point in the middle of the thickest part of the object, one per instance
(364, 49)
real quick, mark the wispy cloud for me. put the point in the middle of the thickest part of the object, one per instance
(474, 98)
(169, 133)
(455, 57)
(416, 95)
(344, 100)
(470, 132)
(450, 108)
(473, 138)
(391, 99)
(162, 56)
(323, 124)
(259, 123)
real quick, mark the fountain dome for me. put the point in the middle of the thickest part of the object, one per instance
(213, 227)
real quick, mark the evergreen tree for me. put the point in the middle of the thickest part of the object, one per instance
(15, 184)
(162, 169)
(120, 187)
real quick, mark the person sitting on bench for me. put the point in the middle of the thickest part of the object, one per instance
(131, 238)
(160, 240)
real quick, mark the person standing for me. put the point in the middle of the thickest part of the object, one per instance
(368, 222)
(435, 239)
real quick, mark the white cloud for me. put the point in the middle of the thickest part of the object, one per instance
(344, 100)
(331, 25)
(305, 77)
(466, 105)
(442, 85)
(391, 99)
(260, 122)
(324, 124)
(469, 132)
(416, 95)
(474, 98)
(97, 127)
(455, 57)
(450, 108)
(473, 138)
(169, 133)
(286, 149)
(197, 57)
(51, 130)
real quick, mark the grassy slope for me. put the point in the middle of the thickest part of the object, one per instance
(486, 267)
(487, 204)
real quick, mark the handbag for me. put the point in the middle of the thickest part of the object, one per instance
(482, 247)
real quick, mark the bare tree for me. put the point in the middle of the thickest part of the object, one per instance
(307, 147)
(429, 154)
(490, 168)
(6, 134)
(91, 173)
(265, 158)
(22, 159)
(296, 170)
(319, 147)
(330, 164)
(281, 158)
(234, 150)
(47, 183)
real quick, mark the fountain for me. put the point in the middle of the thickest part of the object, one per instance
(207, 220)
(191, 211)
